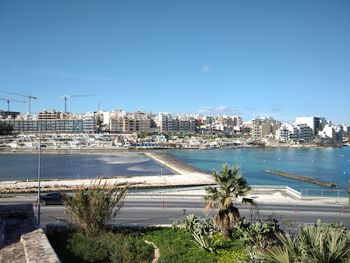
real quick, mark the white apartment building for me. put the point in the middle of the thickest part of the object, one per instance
(332, 132)
(315, 123)
(89, 122)
(286, 133)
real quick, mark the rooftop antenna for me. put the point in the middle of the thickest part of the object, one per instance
(66, 97)
(30, 97)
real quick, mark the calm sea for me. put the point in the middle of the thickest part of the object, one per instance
(327, 164)
(24, 166)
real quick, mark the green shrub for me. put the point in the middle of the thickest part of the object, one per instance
(59, 240)
(229, 256)
(129, 249)
(259, 236)
(88, 248)
(91, 208)
(111, 247)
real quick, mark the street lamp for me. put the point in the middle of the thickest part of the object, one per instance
(39, 174)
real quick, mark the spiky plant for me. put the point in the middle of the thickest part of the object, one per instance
(230, 186)
(91, 208)
(202, 230)
(319, 243)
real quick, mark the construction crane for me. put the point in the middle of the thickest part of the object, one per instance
(30, 97)
(11, 100)
(66, 97)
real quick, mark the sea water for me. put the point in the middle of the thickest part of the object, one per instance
(325, 164)
(56, 166)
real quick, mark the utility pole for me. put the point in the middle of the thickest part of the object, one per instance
(39, 174)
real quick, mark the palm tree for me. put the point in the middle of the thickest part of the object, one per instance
(231, 185)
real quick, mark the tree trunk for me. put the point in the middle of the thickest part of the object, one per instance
(227, 218)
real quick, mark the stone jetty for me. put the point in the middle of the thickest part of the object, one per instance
(303, 178)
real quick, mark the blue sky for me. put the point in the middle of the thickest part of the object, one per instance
(253, 58)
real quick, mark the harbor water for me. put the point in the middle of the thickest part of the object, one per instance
(61, 166)
(324, 164)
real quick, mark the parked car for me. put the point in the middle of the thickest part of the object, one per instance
(54, 198)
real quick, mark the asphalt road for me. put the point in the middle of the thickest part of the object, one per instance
(167, 211)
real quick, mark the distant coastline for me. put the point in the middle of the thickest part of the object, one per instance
(110, 150)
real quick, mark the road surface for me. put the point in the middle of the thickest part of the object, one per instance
(151, 211)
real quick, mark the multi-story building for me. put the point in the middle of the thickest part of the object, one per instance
(49, 115)
(165, 122)
(184, 124)
(264, 128)
(315, 123)
(89, 122)
(333, 133)
(9, 114)
(304, 133)
(46, 126)
(122, 122)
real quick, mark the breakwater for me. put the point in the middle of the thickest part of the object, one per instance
(173, 163)
(302, 178)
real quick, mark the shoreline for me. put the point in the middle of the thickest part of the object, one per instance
(186, 176)
(109, 150)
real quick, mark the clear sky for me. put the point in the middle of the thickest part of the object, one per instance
(272, 57)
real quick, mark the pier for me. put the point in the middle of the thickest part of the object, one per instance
(303, 178)
(173, 164)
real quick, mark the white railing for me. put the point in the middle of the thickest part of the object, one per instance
(293, 192)
(338, 193)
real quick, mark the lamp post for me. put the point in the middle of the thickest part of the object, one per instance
(39, 174)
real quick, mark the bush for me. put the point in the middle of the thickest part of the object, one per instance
(111, 247)
(88, 248)
(90, 209)
(130, 249)
(229, 256)
(259, 236)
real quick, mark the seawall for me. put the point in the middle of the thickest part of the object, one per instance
(173, 164)
(303, 178)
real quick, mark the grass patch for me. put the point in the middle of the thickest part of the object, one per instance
(176, 245)
(107, 247)
(123, 246)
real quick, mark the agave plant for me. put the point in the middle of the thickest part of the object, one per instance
(202, 230)
(319, 243)
(258, 236)
(91, 208)
(231, 185)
